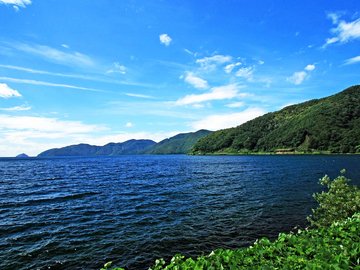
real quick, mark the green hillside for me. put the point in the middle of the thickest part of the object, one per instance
(179, 144)
(330, 124)
(129, 147)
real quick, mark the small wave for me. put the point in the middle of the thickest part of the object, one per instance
(48, 200)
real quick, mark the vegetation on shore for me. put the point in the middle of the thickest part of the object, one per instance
(332, 240)
(327, 125)
(178, 144)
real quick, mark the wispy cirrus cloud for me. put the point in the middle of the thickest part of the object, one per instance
(216, 93)
(343, 31)
(117, 68)
(16, 108)
(35, 82)
(139, 95)
(45, 124)
(195, 81)
(7, 92)
(245, 73)
(235, 104)
(67, 57)
(210, 63)
(221, 121)
(76, 76)
(352, 60)
(229, 68)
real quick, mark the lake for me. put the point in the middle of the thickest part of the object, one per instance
(78, 213)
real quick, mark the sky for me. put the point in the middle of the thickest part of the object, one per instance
(79, 71)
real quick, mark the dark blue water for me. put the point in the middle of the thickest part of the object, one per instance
(78, 213)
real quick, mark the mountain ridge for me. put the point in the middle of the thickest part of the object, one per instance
(178, 144)
(326, 125)
(129, 147)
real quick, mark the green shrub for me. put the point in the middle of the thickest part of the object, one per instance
(340, 201)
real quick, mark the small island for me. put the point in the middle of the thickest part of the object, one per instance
(22, 155)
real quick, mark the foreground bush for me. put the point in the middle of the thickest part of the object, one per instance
(340, 201)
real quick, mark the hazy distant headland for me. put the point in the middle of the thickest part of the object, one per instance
(179, 144)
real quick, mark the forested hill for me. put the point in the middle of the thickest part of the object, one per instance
(179, 144)
(111, 149)
(330, 124)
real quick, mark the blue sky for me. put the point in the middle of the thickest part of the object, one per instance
(108, 71)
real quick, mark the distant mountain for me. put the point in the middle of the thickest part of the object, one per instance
(179, 144)
(330, 124)
(23, 155)
(112, 149)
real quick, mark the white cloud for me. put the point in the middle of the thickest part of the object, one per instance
(55, 55)
(33, 135)
(310, 67)
(352, 60)
(235, 104)
(45, 124)
(117, 68)
(198, 105)
(344, 31)
(7, 92)
(16, 3)
(210, 63)
(298, 77)
(129, 125)
(195, 81)
(65, 46)
(245, 72)
(217, 93)
(139, 95)
(16, 108)
(334, 17)
(221, 121)
(34, 82)
(165, 39)
(229, 68)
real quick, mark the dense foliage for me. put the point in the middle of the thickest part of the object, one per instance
(330, 124)
(179, 144)
(340, 201)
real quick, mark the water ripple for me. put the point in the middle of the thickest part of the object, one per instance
(77, 213)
